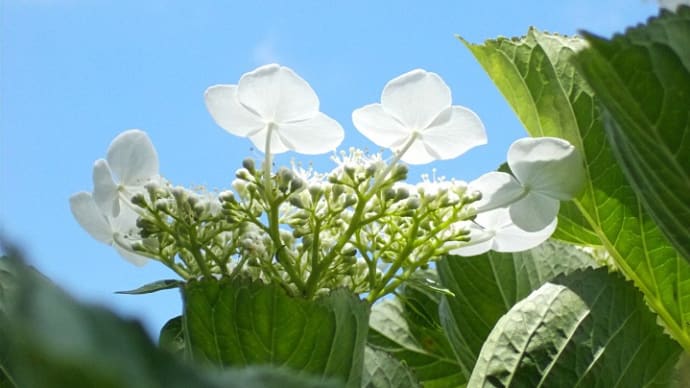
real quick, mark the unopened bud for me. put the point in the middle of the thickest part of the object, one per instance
(138, 199)
(249, 164)
(244, 174)
(226, 196)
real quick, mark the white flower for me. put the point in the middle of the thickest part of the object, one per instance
(547, 170)
(274, 101)
(134, 161)
(494, 230)
(415, 117)
(116, 231)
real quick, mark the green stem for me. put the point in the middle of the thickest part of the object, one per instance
(394, 162)
(315, 274)
(273, 216)
(397, 264)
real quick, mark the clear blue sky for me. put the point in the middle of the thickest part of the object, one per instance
(75, 73)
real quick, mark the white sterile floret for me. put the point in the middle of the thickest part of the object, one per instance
(119, 231)
(494, 230)
(546, 170)
(275, 103)
(415, 117)
(133, 160)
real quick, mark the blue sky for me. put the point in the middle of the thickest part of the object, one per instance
(75, 73)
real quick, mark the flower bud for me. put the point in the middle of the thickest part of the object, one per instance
(316, 191)
(249, 164)
(296, 201)
(338, 190)
(400, 172)
(244, 174)
(389, 194)
(226, 196)
(138, 199)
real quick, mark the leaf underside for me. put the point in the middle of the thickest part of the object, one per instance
(587, 329)
(537, 77)
(485, 287)
(239, 323)
(642, 79)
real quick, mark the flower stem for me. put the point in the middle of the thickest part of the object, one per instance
(273, 216)
(394, 162)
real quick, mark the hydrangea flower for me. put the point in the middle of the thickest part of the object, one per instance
(416, 118)
(494, 230)
(133, 159)
(273, 105)
(546, 170)
(117, 231)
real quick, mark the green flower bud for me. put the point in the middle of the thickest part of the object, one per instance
(226, 196)
(389, 194)
(249, 164)
(138, 199)
(244, 174)
(296, 201)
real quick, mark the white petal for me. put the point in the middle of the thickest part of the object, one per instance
(456, 136)
(104, 189)
(90, 217)
(277, 145)
(379, 126)
(513, 239)
(549, 165)
(132, 158)
(277, 94)
(317, 135)
(480, 242)
(416, 98)
(534, 212)
(418, 153)
(498, 189)
(131, 257)
(228, 113)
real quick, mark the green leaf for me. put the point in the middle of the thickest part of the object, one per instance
(381, 370)
(408, 327)
(172, 336)
(587, 329)
(487, 286)
(642, 79)
(7, 287)
(54, 342)
(239, 322)
(154, 287)
(537, 77)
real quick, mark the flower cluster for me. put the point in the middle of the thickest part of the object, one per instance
(361, 225)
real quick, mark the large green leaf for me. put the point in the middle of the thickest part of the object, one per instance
(487, 286)
(409, 328)
(642, 79)
(381, 370)
(537, 77)
(55, 342)
(240, 322)
(587, 329)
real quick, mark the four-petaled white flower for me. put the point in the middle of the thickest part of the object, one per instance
(546, 170)
(119, 231)
(273, 103)
(494, 230)
(134, 161)
(415, 118)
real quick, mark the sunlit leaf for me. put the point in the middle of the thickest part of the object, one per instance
(487, 286)
(239, 323)
(642, 79)
(589, 329)
(537, 77)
